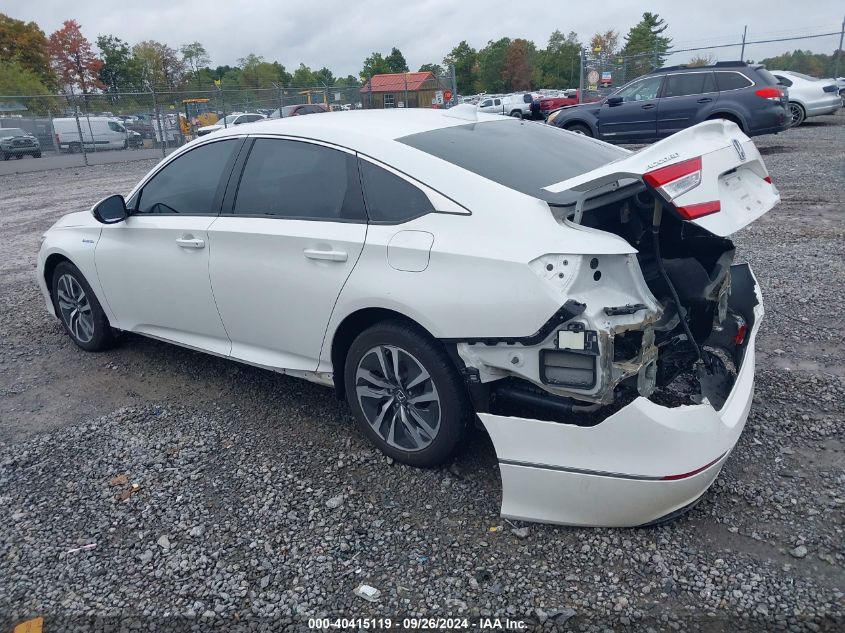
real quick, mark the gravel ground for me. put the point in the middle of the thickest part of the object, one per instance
(184, 473)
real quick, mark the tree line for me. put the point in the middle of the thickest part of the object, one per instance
(33, 63)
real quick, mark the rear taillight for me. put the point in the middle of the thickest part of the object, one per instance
(768, 179)
(695, 211)
(677, 179)
(772, 94)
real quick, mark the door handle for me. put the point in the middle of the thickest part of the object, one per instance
(190, 242)
(331, 256)
(648, 106)
(705, 100)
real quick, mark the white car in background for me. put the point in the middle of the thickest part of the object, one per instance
(403, 258)
(236, 118)
(808, 96)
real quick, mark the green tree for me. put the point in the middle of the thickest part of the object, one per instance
(256, 73)
(375, 64)
(121, 72)
(437, 69)
(304, 77)
(557, 65)
(396, 61)
(465, 60)
(161, 66)
(15, 79)
(646, 45)
(25, 44)
(195, 57)
(324, 77)
(491, 66)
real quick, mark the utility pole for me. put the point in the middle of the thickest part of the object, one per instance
(742, 52)
(581, 78)
(839, 51)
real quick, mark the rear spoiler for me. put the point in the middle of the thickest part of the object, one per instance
(711, 173)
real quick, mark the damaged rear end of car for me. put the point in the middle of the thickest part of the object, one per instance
(623, 407)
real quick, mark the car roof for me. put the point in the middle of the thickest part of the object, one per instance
(345, 127)
(715, 66)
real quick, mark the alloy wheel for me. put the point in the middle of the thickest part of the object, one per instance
(398, 398)
(796, 114)
(75, 308)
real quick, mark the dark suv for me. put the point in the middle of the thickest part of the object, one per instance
(670, 99)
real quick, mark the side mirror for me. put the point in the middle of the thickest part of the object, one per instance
(613, 101)
(111, 210)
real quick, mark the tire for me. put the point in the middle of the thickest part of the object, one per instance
(517, 114)
(5, 156)
(797, 114)
(81, 314)
(579, 128)
(74, 148)
(389, 416)
(18, 156)
(37, 155)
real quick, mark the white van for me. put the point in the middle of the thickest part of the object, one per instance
(98, 132)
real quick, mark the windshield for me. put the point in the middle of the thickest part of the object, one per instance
(11, 131)
(524, 156)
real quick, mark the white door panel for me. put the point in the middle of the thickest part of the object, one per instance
(276, 282)
(154, 272)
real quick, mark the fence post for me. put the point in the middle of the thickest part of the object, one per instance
(79, 127)
(839, 50)
(581, 77)
(161, 133)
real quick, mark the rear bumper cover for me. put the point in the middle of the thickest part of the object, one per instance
(640, 464)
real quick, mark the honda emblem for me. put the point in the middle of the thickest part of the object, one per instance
(739, 151)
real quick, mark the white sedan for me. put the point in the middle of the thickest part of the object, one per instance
(808, 96)
(585, 305)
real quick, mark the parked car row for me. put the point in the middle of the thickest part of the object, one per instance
(667, 100)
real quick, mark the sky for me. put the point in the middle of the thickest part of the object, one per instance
(340, 34)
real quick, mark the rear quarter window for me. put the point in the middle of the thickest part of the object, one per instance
(730, 80)
(523, 156)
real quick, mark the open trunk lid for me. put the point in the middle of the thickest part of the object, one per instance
(711, 174)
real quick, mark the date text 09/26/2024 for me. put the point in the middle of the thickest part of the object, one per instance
(357, 623)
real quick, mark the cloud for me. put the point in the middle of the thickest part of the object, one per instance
(339, 34)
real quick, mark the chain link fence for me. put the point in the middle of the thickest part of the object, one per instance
(88, 129)
(603, 72)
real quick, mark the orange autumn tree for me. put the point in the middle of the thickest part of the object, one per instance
(73, 59)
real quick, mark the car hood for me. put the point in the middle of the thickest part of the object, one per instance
(210, 128)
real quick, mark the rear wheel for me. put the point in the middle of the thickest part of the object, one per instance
(79, 310)
(37, 155)
(796, 113)
(517, 114)
(74, 148)
(579, 128)
(5, 156)
(406, 394)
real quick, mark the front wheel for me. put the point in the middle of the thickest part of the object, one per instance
(406, 394)
(37, 155)
(577, 128)
(796, 114)
(5, 156)
(79, 310)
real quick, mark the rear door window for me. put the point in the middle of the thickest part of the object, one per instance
(298, 180)
(730, 80)
(686, 84)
